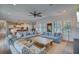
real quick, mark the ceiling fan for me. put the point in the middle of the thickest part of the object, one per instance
(36, 14)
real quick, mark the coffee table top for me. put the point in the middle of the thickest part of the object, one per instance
(42, 40)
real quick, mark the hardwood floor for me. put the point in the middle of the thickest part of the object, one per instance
(61, 48)
(64, 47)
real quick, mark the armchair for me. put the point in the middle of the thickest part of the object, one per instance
(57, 37)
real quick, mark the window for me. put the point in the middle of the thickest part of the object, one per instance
(77, 20)
(38, 28)
(57, 27)
(78, 17)
(67, 27)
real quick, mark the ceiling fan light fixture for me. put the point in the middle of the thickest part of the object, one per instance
(36, 14)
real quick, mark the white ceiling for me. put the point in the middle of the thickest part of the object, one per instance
(21, 12)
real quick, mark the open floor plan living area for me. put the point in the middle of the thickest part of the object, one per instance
(39, 28)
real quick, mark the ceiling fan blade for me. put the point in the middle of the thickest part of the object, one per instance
(35, 14)
(39, 15)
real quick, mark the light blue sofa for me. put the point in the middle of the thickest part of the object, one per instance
(11, 39)
(56, 37)
(25, 34)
